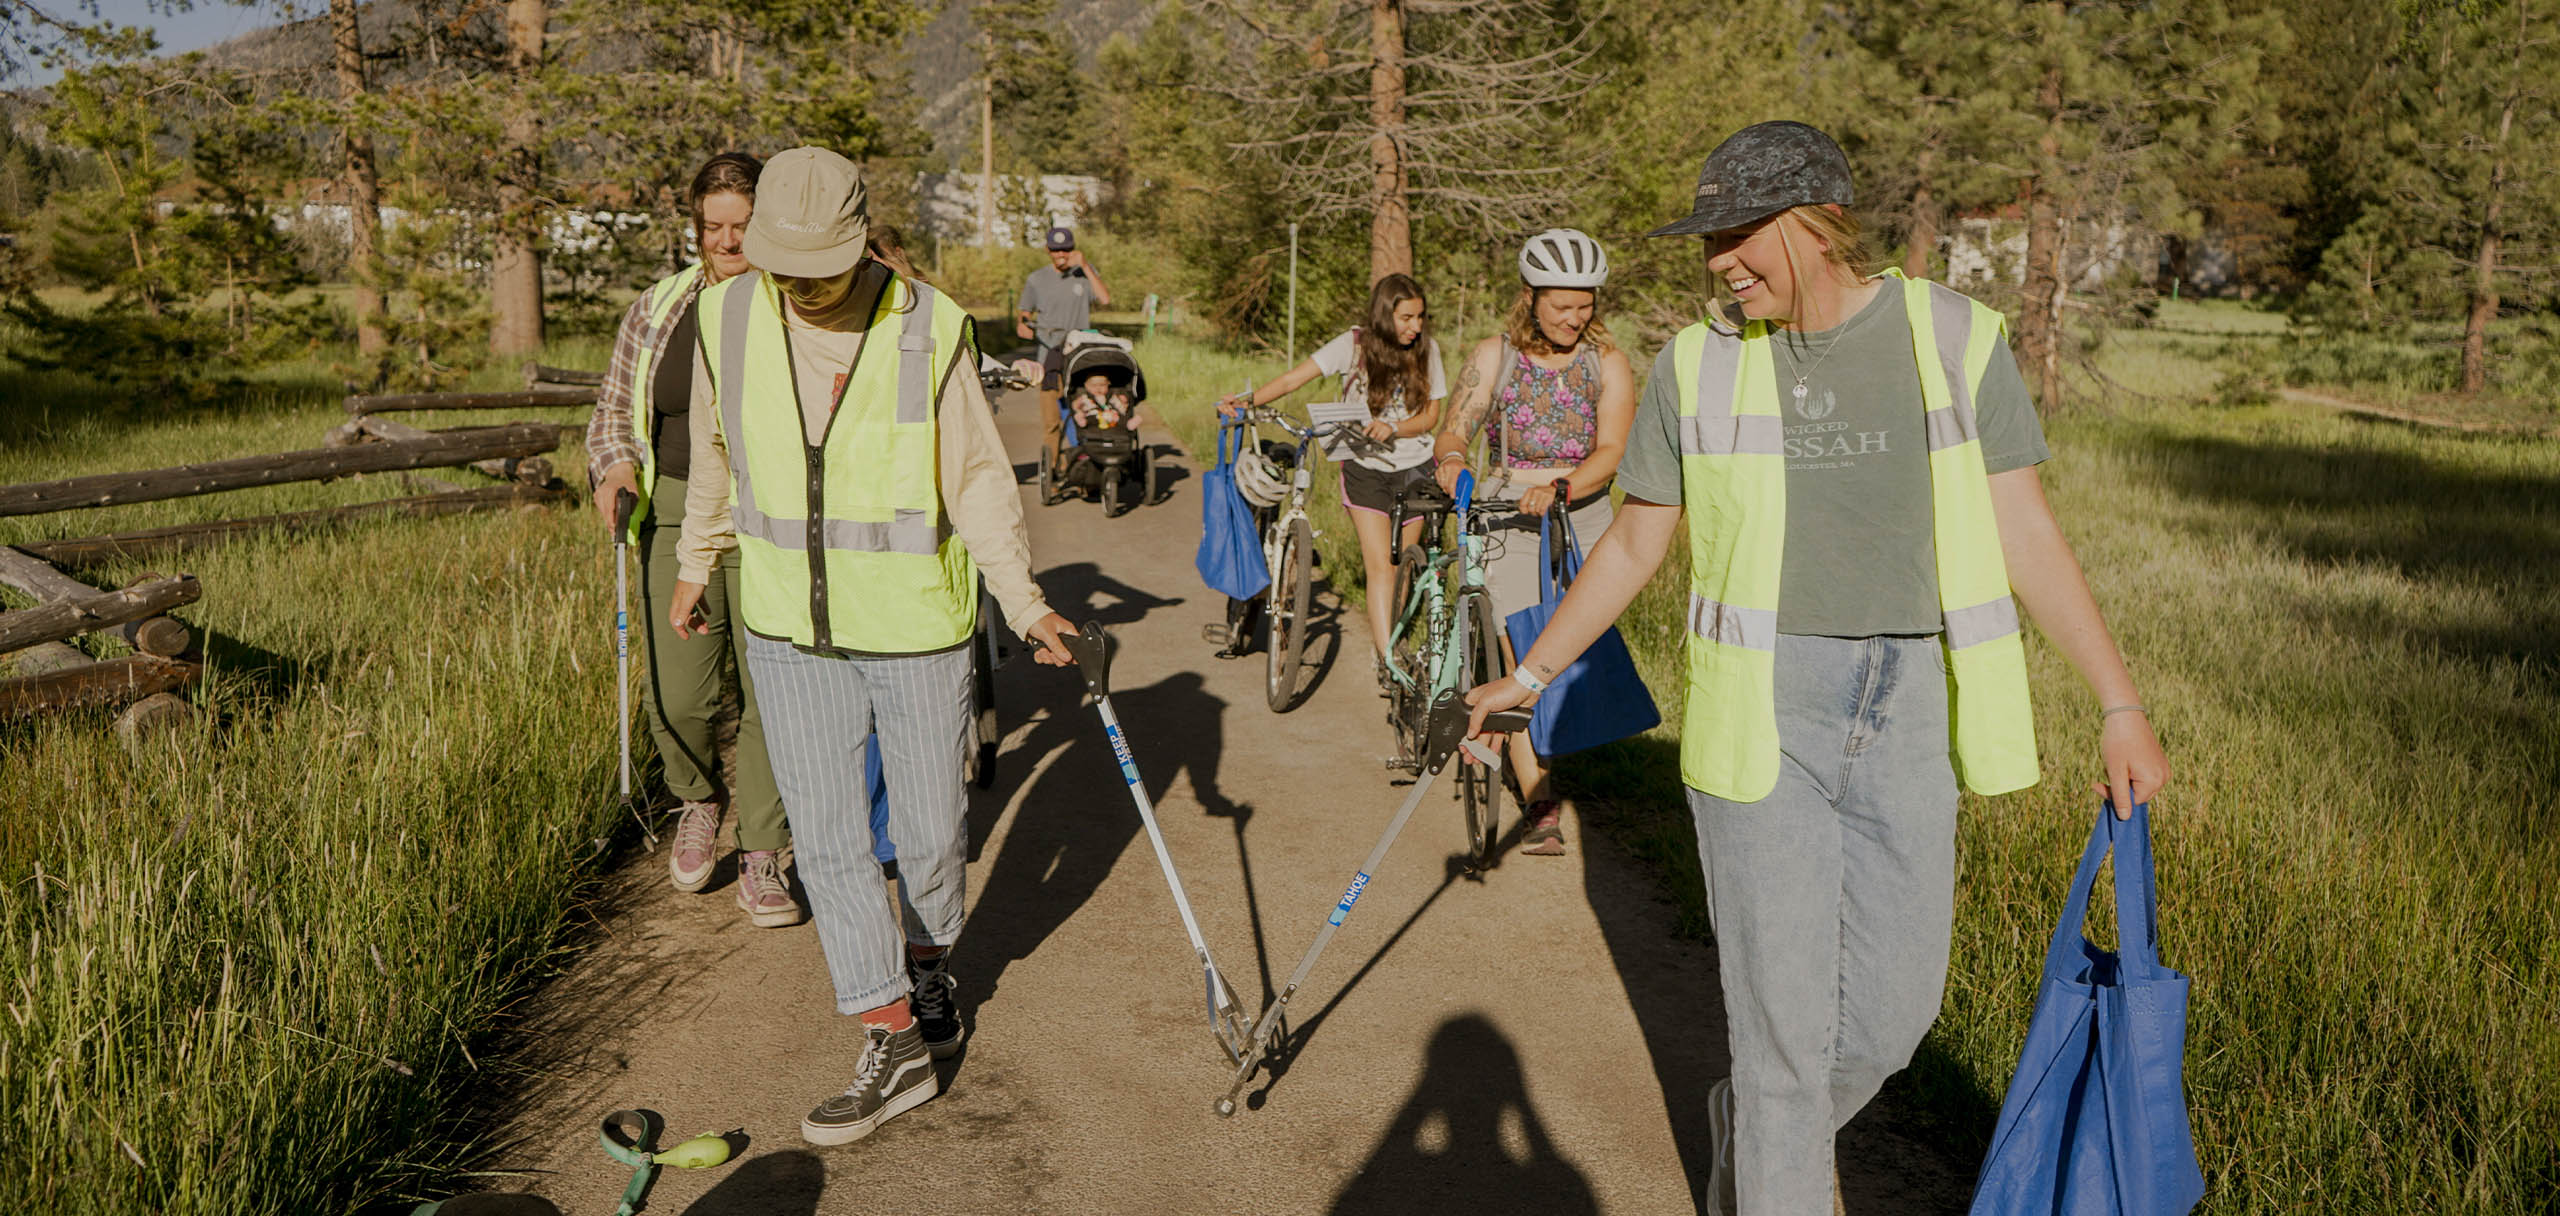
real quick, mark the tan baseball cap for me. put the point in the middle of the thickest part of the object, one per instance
(811, 215)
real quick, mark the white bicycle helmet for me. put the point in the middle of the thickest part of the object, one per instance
(1258, 479)
(1563, 257)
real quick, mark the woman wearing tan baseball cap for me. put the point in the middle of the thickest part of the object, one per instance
(865, 490)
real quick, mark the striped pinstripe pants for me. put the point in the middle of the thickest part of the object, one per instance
(817, 711)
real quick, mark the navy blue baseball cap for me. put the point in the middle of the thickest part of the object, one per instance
(1761, 170)
(1061, 240)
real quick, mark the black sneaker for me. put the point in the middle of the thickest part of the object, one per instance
(895, 1075)
(937, 1015)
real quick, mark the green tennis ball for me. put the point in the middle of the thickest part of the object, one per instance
(700, 1153)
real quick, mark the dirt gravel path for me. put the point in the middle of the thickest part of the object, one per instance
(1536, 1041)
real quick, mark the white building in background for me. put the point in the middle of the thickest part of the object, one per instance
(1026, 207)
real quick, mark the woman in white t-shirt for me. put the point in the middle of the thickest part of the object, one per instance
(1391, 365)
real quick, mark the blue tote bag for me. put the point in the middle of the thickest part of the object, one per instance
(2096, 1119)
(1230, 558)
(1599, 698)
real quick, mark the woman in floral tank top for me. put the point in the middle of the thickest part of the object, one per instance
(1552, 397)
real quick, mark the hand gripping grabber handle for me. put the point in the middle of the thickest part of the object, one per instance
(1092, 651)
(1446, 732)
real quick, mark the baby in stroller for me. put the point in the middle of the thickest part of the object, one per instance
(1098, 402)
(1101, 453)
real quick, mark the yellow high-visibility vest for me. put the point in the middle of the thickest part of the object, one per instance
(1733, 477)
(843, 546)
(666, 297)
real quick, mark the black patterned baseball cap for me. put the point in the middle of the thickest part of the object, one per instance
(1761, 170)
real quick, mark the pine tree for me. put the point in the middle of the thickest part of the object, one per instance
(1381, 108)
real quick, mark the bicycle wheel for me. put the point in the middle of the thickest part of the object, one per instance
(1480, 785)
(1292, 590)
(1049, 493)
(1409, 685)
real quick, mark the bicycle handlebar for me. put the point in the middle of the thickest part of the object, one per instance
(1345, 431)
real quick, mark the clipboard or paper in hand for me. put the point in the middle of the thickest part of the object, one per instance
(1322, 413)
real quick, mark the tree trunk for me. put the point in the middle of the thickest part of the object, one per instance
(987, 144)
(2484, 265)
(1390, 224)
(364, 190)
(2040, 315)
(515, 272)
(1923, 244)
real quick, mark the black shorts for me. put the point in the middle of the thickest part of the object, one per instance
(1368, 489)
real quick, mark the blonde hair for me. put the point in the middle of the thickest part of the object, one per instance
(1522, 327)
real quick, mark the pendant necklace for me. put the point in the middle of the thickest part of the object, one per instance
(1799, 390)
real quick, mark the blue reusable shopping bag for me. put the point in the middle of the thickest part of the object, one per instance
(2096, 1119)
(1599, 698)
(1230, 558)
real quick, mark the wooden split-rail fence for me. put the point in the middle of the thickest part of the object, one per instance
(40, 671)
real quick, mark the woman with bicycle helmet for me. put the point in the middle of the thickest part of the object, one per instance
(1552, 396)
(1855, 456)
(1392, 365)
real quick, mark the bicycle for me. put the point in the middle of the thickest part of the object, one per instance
(1445, 641)
(1288, 551)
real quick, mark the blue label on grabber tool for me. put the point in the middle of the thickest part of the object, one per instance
(1120, 748)
(1350, 896)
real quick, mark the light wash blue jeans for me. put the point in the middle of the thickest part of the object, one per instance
(817, 711)
(1833, 901)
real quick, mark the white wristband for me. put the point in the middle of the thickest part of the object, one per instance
(1527, 681)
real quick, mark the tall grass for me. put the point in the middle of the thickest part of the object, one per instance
(2349, 634)
(244, 968)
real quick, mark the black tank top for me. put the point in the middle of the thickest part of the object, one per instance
(671, 397)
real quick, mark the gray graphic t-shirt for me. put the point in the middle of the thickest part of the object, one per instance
(1860, 559)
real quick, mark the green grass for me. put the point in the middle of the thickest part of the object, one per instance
(245, 969)
(2349, 633)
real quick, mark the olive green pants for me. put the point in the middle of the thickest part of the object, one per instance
(686, 677)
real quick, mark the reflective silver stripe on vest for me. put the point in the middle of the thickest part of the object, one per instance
(1981, 623)
(1952, 316)
(916, 532)
(1751, 628)
(915, 358)
(1713, 429)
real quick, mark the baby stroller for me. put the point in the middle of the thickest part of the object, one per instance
(1108, 464)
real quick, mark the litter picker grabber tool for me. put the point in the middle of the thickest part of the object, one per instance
(1445, 733)
(1092, 651)
(624, 502)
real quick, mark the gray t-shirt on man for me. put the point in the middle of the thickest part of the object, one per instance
(1062, 301)
(1860, 559)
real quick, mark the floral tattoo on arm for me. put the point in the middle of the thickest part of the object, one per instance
(1468, 421)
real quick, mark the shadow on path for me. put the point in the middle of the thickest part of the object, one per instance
(1468, 1139)
(786, 1183)
(1077, 818)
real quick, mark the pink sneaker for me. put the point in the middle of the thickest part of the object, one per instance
(696, 845)
(762, 894)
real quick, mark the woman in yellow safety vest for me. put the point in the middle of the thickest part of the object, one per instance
(1865, 443)
(639, 442)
